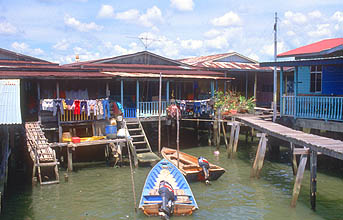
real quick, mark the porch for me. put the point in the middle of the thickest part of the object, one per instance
(312, 107)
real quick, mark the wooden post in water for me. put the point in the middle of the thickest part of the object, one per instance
(294, 160)
(177, 137)
(237, 128)
(132, 179)
(70, 158)
(198, 134)
(159, 114)
(232, 136)
(258, 163)
(313, 181)
(297, 183)
(225, 137)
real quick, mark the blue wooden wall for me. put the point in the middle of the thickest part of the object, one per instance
(304, 80)
(332, 80)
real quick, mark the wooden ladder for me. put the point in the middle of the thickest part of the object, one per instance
(41, 154)
(139, 142)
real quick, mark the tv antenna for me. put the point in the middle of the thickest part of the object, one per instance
(146, 41)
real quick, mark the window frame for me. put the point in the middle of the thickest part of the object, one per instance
(318, 70)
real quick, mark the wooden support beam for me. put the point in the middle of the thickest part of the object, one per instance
(198, 133)
(313, 180)
(225, 137)
(297, 184)
(258, 163)
(232, 136)
(238, 127)
(294, 160)
(70, 158)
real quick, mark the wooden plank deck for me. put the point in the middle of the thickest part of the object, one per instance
(326, 146)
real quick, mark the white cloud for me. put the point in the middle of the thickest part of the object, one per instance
(320, 31)
(230, 18)
(83, 27)
(290, 33)
(131, 14)
(269, 48)
(315, 14)
(61, 45)
(191, 44)
(296, 17)
(219, 42)
(151, 16)
(212, 33)
(21, 47)
(7, 28)
(338, 16)
(106, 11)
(25, 49)
(183, 5)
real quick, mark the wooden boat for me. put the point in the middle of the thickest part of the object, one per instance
(151, 201)
(189, 166)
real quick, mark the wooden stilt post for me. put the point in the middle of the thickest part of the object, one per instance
(238, 127)
(209, 138)
(294, 160)
(232, 136)
(70, 158)
(258, 163)
(218, 126)
(252, 134)
(132, 179)
(225, 137)
(297, 184)
(215, 130)
(313, 182)
(198, 134)
(159, 114)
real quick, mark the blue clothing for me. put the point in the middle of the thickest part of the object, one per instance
(106, 108)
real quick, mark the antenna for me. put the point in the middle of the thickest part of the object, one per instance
(145, 40)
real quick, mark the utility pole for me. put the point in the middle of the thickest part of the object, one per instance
(275, 71)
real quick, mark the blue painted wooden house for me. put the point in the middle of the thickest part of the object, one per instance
(315, 89)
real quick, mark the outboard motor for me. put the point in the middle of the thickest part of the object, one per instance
(166, 191)
(205, 165)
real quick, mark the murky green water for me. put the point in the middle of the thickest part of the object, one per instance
(101, 192)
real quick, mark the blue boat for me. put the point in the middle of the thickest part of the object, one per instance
(151, 201)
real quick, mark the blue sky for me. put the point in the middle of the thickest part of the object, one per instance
(56, 30)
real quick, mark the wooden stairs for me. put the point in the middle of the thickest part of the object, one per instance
(139, 143)
(42, 155)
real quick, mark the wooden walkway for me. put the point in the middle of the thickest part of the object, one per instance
(326, 146)
(308, 145)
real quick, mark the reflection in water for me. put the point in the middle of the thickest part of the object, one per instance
(102, 192)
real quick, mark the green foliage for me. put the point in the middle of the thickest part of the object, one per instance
(231, 101)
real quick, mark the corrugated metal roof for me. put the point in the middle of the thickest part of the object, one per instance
(10, 112)
(317, 47)
(212, 62)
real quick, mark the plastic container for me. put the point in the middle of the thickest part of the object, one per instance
(75, 140)
(111, 129)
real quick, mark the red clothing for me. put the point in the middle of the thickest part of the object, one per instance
(77, 109)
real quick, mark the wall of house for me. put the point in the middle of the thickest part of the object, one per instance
(332, 79)
(304, 80)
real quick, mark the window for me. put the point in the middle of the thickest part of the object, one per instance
(316, 79)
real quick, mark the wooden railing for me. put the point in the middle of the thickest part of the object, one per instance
(313, 107)
(148, 109)
(130, 112)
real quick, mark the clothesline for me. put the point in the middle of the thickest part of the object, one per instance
(97, 107)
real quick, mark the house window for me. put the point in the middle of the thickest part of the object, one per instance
(316, 79)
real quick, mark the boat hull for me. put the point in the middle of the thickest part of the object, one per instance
(151, 201)
(189, 166)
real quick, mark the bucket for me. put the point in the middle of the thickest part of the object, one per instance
(75, 140)
(111, 129)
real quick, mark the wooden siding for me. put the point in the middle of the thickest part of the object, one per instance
(234, 58)
(305, 80)
(332, 80)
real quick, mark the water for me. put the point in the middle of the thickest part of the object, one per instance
(101, 192)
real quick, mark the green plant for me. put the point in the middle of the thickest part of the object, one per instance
(224, 102)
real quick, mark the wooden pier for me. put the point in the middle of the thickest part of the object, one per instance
(312, 145)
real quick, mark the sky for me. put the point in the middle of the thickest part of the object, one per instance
(57, 30)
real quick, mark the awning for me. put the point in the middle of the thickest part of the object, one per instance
(10, 112)
(153, 75)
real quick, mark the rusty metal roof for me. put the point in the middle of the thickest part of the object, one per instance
(212, 62)
(10, 112)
